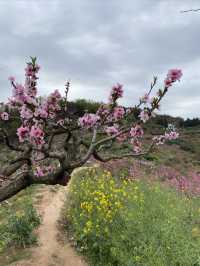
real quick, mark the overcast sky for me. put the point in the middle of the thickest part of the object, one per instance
(96, 43)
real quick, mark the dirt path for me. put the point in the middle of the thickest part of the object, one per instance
(51, 251)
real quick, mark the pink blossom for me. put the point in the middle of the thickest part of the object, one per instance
(23, 133)
(144, 116)
(41, 111)
(116, 92)
(183, 183)
(56, 94)
(51, 104)
(88, 120)
(4, 116)
(19, 94)
(159, 140)
(103, 111)
(26, 113)
(122, 137)
(11, 79)
(61, 122)
(118, 113)
(137, 145)
(112, 130)
(39, 171)
(42, 171)
(37, 136)
(145, 99)
(172, 76)
(31, 70)
(31, 100)
(171, 135)
(168, 82)
(136, 131)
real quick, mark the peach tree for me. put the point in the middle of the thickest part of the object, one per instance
(45, 119)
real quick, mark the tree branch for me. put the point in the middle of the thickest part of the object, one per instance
(190, 10)
(8, 143)
(89, 152)
(98, 157)
(52, 135)
(102, 141)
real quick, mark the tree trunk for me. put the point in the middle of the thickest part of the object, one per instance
(10, 187)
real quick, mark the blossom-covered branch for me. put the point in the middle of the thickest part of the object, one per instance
(46, 122)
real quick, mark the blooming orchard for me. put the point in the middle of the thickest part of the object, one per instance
(42, 119)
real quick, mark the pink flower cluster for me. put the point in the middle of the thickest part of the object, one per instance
(30, 83)
(26, 113)
(137, 145)
(136, 131)
(145, 99)
(112, 130)
(116, 92)
(103, 111)
(34, 135)
(172, 135)
(23, 133)
(37, 113)
(4, 116)
(60, 122)
(49, 107)
(25, 94)
(172, 76)
(118, 113)
(37, 136)
(19, 96)
(42, 171)
(88, 120)
(144, 116)
(33, 111)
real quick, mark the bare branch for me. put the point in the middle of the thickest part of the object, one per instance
(190, 10)
(8, 143)
(67, 86)
(115, 157)
(52, 135)
(102, 141)
(21, 159)
(89, 152)
(11, 169)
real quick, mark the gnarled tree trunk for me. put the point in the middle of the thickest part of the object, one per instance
(24, 179)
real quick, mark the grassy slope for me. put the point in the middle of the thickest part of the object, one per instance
(17, 221)
(118, 223)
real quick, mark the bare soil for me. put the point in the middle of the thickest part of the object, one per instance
(51, 251)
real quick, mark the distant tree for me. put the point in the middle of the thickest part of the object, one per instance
(84, 105)
(192, 122)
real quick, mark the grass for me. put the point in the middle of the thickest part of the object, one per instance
(18, 219)
(125, 223)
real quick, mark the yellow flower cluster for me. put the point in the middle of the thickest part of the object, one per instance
(99, 199)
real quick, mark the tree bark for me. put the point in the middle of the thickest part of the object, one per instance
(12, 186)
(22, 180)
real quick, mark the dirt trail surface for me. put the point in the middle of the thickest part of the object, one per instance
(50, 250)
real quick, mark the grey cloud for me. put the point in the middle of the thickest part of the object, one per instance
(97, 43)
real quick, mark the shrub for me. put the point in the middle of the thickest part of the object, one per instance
(18, 220)
(20, 226)
(83, 105)
(119, 222)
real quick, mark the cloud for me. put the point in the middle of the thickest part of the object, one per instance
(97, 43)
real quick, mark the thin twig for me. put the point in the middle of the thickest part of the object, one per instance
(190, 10)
